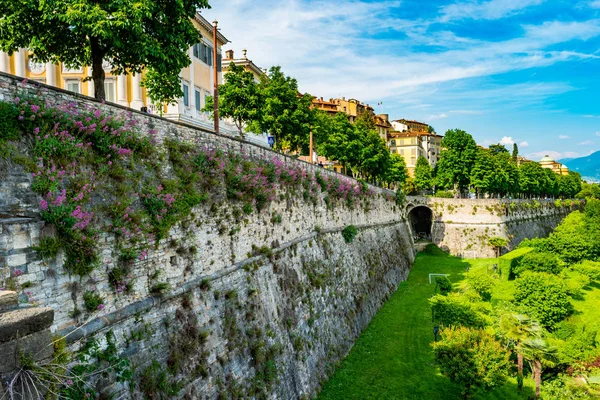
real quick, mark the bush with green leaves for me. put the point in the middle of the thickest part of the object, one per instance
(482, 283)
(509, 261)
(93, 301)
(543, 296)
(443, 284)
(539, 261)
(472, 358)
(591, 269)
(349, 233)
(452, 310)
(574, 281)
(9, 124)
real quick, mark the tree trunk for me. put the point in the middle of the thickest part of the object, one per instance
(97, 70)
(519, 368)
(537, 367)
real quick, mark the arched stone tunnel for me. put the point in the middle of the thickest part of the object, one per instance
(421, 220)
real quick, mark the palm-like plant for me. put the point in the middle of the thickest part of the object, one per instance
(538, 351)
(519, 327)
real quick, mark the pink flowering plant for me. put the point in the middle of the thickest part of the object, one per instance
(95, 172)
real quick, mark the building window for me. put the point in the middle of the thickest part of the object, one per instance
(73, 86)
(219, 62)
(393, 142)
(186, 95)
(203, 52)
(197, 98)
(109, 90)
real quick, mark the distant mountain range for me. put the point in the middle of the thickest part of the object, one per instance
(588, 166)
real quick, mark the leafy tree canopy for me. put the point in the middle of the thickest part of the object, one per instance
(239, 98)
(456, 159)
(471, 358)
(130, 34)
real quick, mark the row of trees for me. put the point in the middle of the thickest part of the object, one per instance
(274, 105)
(464, 166)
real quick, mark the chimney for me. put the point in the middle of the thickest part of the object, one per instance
(244, 53)
(229, 55)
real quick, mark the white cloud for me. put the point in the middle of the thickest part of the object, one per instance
(438, 116)
(564, 137)
(523, 144)
(597, 133)
(555, 155)
(594, 4)
(493, 9)
(586, 143)
(328, 48)
(506, 140)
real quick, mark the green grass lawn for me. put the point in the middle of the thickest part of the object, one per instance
(393, 358)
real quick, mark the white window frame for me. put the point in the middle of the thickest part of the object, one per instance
(73, 81)
(108, 82)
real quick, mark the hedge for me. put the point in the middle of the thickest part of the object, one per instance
(509, 261)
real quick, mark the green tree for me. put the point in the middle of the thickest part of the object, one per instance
(397, 173)
(531, 178)
(497, 148)
(456, 159)
(423, 174)
(342, 143)
(374, 155)
(519, 327)
(483, 171)
(471, 358)
(538, 352)
(589, 190)
(543, 296)
(498, 243)
(283, 113)
(238, 98)
(515, 152)
(130, 34)
(569, 185)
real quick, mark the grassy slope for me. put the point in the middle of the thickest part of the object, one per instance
(393, 358)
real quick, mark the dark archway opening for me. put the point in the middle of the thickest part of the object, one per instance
(421, 219)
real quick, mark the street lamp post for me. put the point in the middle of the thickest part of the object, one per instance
(216, 78)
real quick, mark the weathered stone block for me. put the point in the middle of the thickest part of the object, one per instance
(38, 346)
(22, 322)
(8, 299)
(16, 260)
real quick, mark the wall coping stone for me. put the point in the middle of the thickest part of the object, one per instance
(22, 322)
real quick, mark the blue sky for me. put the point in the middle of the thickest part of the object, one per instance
(524, 71)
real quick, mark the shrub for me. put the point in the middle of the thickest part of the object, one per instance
(508, 262)
(93, 301)
(9, 124)
(451, 310)
(574, 281)
(444, 284)
(591, 269)
(543, 296)
(539, 262)
(472, 358)
(49, 247)
(481, 283)
(349, 233)
(446, 194)
(159, 288)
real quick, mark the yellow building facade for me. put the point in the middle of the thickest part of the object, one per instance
(556, 167)
(126, 89)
